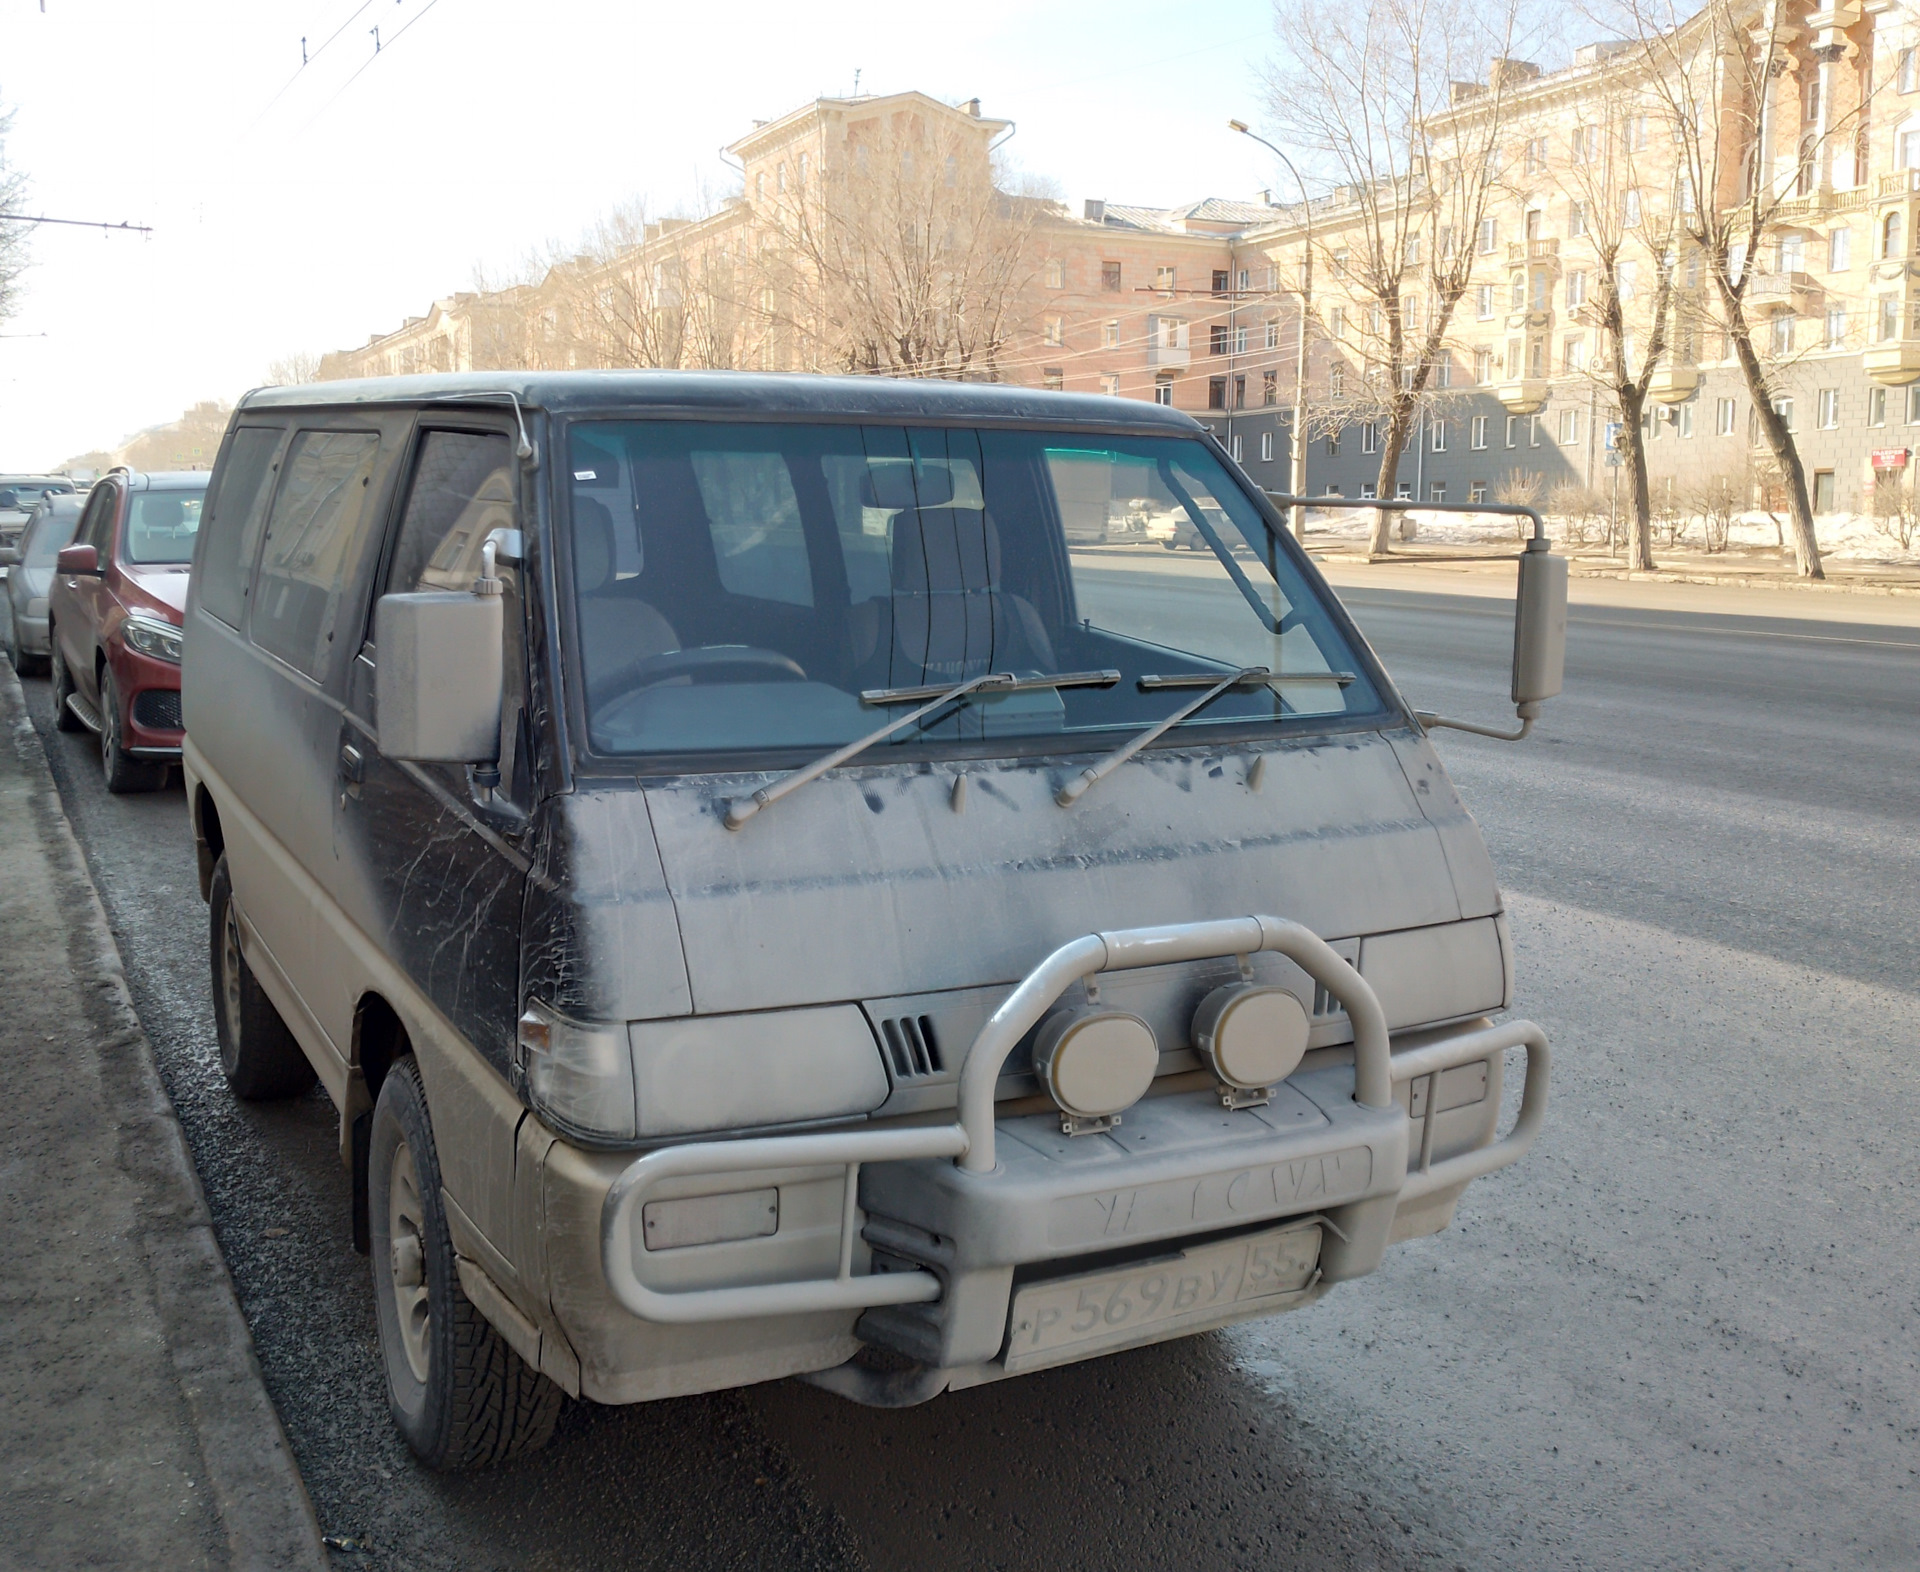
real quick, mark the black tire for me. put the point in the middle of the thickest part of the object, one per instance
(63, 689)
(124, 773)
(458, 1392)
(258, 1054)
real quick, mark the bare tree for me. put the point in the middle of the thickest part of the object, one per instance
(13, 237)
(293, 370)
(901, 255)
(1896, 514)
(1717, 499)
(1374, 95)
(1727, 81)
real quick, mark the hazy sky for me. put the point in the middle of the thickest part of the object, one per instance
(300, 210)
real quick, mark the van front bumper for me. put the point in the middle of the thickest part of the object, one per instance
(961, 1224)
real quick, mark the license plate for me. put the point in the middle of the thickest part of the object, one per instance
(1159, 1297)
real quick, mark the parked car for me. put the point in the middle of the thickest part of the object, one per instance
(117, 598)
(30, 579)
(18, 494)
(762, 905)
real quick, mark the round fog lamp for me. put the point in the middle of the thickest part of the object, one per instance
(1095, 1062)
(1251, 1035)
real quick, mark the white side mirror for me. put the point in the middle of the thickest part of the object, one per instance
(438, 676)
(1539, 625)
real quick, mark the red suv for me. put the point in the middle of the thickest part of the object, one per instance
(119, 592)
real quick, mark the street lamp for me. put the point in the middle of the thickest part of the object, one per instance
(1297, 479)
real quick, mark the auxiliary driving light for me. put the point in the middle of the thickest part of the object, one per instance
(1095, 1062)
(1251, 1035)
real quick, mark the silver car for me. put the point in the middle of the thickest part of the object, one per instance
(30, 577)
(19, 495)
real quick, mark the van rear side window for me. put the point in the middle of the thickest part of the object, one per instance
(311, 534)
(232, 526)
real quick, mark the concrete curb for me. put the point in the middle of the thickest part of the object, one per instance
(262, 1504)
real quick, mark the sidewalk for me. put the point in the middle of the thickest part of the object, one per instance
(134, 1429)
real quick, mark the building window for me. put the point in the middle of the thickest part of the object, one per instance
(1478, 432)
(1537, 357)
(1436, 491)
(1636, 133)
(803, 172)
(780, 178)
(1366, 490)
(1056, 273)
(1437, 437)
(1908, 74)
(1163, 278)
(1239, 392)
(1443, 371)
(1236, 447)
(1836, 327)
(1683, 420)
(1483, 366)
(1216, 392)
(1890, 238)
(1266, 447)
(1217, 340)
(1573, 353)
(1163, 389)
(1783, 407)
(1630, 208)
(1823, 491)
(1913, 404)
(1053, 377)
(1056, 333)
(1110, 334)
(1403, 492)
(1110, 277)
(1723, 417)
(1337, 322)
(1533, 431)
(1477, 491)
(1336, 380)
(1839, 250)
(1488, 237)
(1269, 388)
(1876, 406)
(1240, 340)
(1333, 444)
(1110, 383)
(1576, 219)
(1585, 144)
(1513, 428)
(1780, 334)
(1272, 333)
(1370, 436)
(1517, 291)
(1219, 281)
(1826, 409)
(1242, 279)
(1887, 324)
(1576, 289)
(1483, 302)
(1536, 154)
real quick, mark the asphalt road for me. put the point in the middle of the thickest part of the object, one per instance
(1683, 1333)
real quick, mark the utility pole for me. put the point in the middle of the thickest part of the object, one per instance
(1297, 438)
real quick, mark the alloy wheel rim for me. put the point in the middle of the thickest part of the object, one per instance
(407, 1261)
(109, 723)
(230, 976)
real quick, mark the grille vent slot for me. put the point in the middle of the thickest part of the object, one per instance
(1324, 1003)
(912, 1048)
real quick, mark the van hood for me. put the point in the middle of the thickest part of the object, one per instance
(869, 883)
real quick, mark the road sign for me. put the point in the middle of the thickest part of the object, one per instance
(1613, 437)
(1614, 460)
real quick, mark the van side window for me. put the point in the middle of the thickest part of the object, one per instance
(235, 512)
(96, 529)
(462, 491)
(759, 544)
(309, 550)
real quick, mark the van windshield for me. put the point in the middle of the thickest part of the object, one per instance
(743, 588)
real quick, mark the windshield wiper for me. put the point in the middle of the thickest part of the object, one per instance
(742, 809)
(1256, 676)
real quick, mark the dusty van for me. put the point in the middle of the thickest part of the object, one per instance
(774, 888)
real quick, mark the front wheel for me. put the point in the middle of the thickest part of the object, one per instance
(63, 689)
(123, 771)
(258, 1055)
(458, 1392)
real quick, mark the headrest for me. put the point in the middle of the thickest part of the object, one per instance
(943, 550)
(162, 512)
(898, 484)
(592, 544)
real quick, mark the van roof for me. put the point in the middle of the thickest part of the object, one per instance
(740, 393)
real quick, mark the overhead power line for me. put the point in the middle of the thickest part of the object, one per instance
(78, 223)
(378, 50)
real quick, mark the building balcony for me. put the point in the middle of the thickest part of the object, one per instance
(1902, 182)
(1893, 364)
(1164, 357)
(1523, 251)
(1673, 384)
(1538, 320)
(1825, 200)
(1799, 292)
(1527, 396)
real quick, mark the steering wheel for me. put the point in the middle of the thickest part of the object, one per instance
(708, 663)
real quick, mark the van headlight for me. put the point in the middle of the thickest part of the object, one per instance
(152, 637)
(579, 1074)
(1095, 1063)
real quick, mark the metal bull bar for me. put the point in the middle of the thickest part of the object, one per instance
(970, 1140)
